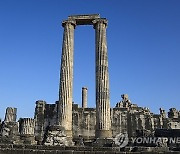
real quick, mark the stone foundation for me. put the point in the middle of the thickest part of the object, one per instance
(28, 149)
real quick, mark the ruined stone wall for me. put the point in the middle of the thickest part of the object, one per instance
(50, 114)
(125, 118)
(45, 115)
(84, 121)
(119, 120)
(129, 119)
(39, 120)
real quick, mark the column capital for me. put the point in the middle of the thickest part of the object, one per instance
(72, 22)
(85, 88)
(98, 21)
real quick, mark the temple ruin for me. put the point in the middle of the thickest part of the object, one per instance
(66, 123)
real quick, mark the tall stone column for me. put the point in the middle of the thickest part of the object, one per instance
(84, 97)
(103, 122)
(66, 78)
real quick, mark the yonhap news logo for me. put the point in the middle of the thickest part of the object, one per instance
(122, 140)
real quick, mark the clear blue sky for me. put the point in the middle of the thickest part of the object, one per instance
(143, 47)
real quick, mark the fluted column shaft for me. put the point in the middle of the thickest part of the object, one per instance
(103, 122)
(84, 97)
(66, 78)
(27, 126)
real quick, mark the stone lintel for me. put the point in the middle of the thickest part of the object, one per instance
(84, 19)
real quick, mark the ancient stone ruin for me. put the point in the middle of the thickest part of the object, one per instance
(66, 124)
